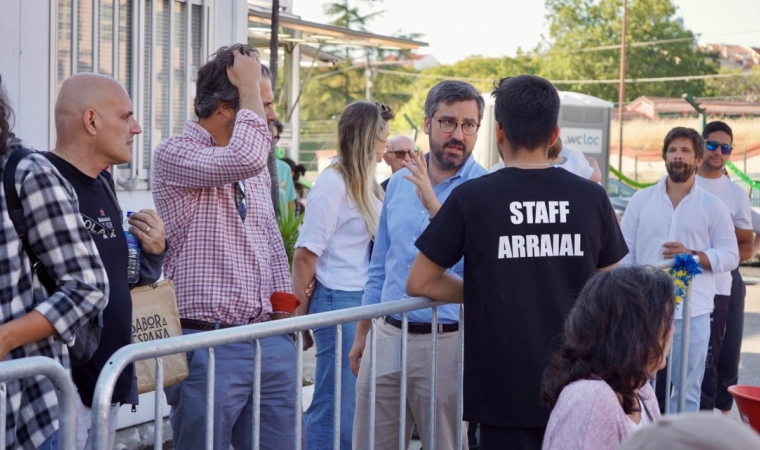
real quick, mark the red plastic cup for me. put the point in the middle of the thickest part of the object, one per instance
(748, 401)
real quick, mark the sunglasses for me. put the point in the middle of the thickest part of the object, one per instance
(713, 146)
(240, 199)
(400, 154)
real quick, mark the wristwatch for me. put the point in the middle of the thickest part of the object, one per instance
(696, 256)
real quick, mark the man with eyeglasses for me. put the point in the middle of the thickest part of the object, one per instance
(400, 149)
(453, 111)
(727, 320)
(226, 255)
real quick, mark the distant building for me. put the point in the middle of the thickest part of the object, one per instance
(734, 56)
(658, 107)
(413, 60)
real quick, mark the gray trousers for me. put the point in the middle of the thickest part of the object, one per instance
(233, 397)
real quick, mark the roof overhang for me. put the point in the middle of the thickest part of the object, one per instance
(317, 34)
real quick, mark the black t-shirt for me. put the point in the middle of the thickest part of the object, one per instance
(530, 240)
(103, 218)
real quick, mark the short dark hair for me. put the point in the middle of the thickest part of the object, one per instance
(6, 118)
(615, 332)
(527, 108)
(451, 91)
(717, 126)
(685, 133)
(214, 87)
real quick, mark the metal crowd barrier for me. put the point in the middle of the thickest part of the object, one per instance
(64, 389)
(158, 349)
(101, 404)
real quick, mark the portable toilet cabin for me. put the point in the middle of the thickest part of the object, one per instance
(584, 123)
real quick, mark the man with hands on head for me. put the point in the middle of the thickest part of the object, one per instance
(227, 258)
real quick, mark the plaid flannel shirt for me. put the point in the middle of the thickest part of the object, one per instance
(224, 269)
(64, 246)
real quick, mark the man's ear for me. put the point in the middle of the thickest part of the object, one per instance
(426, 126)
(91, 121)
(555, 135)
(225, 111)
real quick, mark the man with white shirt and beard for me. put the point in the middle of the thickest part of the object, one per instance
(727, 324)
(673, 217)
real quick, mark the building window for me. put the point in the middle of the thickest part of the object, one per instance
(158, 53)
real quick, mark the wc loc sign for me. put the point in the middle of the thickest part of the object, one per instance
(586, 140)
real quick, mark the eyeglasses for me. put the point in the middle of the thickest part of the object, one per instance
(713, 146)
(400, 154)
(240, 199)
(449, 125)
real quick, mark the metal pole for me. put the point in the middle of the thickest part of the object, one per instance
(95, 36)
(115, 43)
(685, 334)
(299, 390)
(433, 367)
(402, 389)
(256, 394)
(460, 372)
(337, 385)
(60, 378)
(210, 384)
(669, 380)
(372, 383)
(3, 400)
(170, 80)
(74, 35)
(621, 93)
(158, 424)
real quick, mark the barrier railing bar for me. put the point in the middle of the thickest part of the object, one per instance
(372, 383)
(433, 371)
(299, 390)
(256, 394)
(158, 419)
(61, 379)
(685, 335)
(210, 384)
(3, 399)
(402, 390)
(668, 380)
(338, 385)
(460, 373)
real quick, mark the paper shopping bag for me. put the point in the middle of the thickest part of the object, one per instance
(155, 316)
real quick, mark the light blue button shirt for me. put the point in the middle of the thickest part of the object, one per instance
(402, 220)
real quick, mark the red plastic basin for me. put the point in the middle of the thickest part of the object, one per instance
(748, 401)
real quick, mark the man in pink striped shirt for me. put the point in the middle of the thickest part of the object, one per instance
(226, 255)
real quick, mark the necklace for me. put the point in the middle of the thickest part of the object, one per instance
(529, 164)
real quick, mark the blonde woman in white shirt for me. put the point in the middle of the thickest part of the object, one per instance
(334, 249)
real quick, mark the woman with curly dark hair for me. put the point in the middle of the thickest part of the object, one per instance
(616, 338)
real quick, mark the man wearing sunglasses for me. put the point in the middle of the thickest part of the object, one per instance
(727, 324)
(400, 149)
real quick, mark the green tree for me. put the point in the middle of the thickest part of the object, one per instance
(575, 25)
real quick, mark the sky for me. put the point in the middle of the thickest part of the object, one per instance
(499, 27)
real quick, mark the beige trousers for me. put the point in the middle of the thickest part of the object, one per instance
(388, 391)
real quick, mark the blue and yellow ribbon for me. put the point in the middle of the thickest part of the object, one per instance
(683, 272)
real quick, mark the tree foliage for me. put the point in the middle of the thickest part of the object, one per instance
(578, 24)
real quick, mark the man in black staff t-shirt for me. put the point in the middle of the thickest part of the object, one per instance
(531, 236)
(95, 129)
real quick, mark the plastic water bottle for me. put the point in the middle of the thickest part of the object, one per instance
(133, 252)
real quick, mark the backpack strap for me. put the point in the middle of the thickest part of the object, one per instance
(16, 213)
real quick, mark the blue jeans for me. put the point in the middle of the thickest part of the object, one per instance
(319, 416)
(699, 338)
(51, 443)
(233, 396)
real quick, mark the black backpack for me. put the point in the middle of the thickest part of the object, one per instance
(88, 336)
